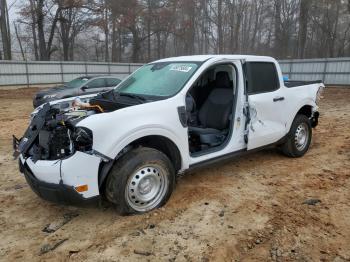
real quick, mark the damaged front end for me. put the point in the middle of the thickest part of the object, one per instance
(52, 134)
(56, 155)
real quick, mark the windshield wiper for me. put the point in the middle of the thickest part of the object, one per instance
(141, 99)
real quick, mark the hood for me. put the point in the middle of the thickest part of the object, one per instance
(63, 104)
(114, 129)
(58, 87)
(49, 91)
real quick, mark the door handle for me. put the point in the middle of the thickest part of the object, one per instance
(276, 99)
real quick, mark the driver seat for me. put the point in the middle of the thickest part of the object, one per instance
(214, 116)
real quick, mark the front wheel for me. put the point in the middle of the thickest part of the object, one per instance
(299, 137)
(141, 180)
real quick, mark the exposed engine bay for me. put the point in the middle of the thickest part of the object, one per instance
(53, 134)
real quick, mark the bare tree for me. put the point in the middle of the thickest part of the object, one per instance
(303, 24)
(278, 30)
(45, 43)
(33, 27)
(220, 28)
(144, 30)
(5, 30)
(72, 21)
(19, 41)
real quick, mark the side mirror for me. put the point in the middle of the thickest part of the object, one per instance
(84, 88)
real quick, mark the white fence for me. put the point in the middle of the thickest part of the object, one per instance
(33, 73)
(335, 71)
(332, 71)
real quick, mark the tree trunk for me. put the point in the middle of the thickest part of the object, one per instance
(248, 29)
(35, 41)
(303, 23)
(19, 42)
(158, 45)
(256, 26)
(64, 32)
(278, 31)
(220, 29)
(237, 29)
(45, 49)
(136, 44)
(149, 15)
(106, 31)
(114, 42)
(120, 45)
(71, 49)
(5, 30)
(335, 29)
(52, 33)
(41, 32)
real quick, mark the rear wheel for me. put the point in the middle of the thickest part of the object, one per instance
(142, 180)
(299, 137)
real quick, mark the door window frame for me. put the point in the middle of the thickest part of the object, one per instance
(246, 77)
(233, 114)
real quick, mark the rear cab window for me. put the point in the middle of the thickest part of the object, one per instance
(261, 77)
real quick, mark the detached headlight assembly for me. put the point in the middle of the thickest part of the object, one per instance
(82, 139)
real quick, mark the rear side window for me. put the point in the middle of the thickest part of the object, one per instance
(97, 83)
(261, 77)
(112, 81)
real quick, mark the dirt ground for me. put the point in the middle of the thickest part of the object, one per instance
(249, 209)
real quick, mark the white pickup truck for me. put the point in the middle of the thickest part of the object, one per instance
(168, 117)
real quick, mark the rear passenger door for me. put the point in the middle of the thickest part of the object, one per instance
(266, 103)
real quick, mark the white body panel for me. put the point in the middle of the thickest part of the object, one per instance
(271, 120)
(77, 170)
(81, 169)
(115, 130)
(47, 171)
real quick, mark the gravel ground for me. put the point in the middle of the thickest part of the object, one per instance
(260, 207)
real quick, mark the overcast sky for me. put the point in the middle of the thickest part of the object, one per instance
(13, 8)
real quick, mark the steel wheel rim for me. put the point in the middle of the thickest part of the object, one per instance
(146, 187)
(301, 136)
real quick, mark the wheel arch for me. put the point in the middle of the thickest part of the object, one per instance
(306, 108)
(163, 144)
(159, 142)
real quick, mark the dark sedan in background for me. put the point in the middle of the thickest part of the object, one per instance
(80, 86)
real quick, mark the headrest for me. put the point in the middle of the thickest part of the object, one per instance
(222, 80)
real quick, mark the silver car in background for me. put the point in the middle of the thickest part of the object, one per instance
(83, 85)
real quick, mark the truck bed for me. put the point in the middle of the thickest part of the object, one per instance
(297, 83)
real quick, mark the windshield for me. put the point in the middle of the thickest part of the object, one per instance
(76, 82)
(158, 79)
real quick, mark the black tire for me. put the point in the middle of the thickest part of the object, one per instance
(118, 181)
(290, 147)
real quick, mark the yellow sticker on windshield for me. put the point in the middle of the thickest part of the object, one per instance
(181, 68)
